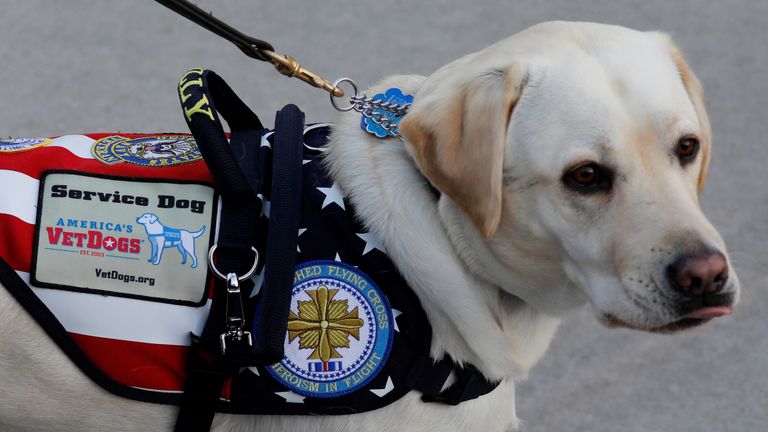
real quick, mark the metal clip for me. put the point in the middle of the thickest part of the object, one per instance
(290, 67)
(236, 338)
(235, 322)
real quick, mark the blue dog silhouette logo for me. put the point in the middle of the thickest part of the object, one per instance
(162, 237)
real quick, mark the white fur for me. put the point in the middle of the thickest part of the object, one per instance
(494, 303)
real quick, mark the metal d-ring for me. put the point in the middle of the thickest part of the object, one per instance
(336, 85)
(247, 274)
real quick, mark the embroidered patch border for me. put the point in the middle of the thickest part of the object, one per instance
(15, 145)
(340, 331)
(149, 151)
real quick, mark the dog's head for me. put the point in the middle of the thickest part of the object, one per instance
(146, 219)
(577, 151)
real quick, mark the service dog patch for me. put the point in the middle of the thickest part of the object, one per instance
(127, 237)
(339, 331)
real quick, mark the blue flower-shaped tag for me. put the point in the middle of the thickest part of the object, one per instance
(393, 96)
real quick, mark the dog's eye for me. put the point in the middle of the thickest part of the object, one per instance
(589, 177)
(686, 150)
(585, 175)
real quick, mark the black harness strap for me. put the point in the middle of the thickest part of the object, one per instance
(198, 90)
(206, 374)
(207, 370)
(213, 356)
(429, 377)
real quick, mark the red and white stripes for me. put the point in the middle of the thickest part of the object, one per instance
(135, 342)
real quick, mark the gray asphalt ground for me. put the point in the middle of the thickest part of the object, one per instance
(87, 66)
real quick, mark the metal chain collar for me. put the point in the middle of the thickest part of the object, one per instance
(375, 110)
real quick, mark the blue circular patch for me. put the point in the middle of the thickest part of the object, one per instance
(12, 145)
(153, 151)
(339, 331)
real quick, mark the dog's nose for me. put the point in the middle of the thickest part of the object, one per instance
(699, 275)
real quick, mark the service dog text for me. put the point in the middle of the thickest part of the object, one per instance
(163, 201)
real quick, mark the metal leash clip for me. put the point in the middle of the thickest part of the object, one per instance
(235, 323)
(235, 333)
(290, 67)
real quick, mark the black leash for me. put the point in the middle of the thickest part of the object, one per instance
(252, 47)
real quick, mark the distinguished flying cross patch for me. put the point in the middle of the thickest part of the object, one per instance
(153, 151)
(339, 331)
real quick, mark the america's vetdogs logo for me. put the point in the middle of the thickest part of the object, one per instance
(90, 235)
(154, 151)
(99, 235)
(339, 331)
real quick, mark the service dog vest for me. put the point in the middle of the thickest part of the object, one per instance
(104, 240)
(101, 249)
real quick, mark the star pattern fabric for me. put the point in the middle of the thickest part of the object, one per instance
(333, 195)
(371, 242)
(330, 230)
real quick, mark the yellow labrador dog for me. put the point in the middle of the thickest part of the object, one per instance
(568, 159)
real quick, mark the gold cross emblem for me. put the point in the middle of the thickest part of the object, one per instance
(324, 324)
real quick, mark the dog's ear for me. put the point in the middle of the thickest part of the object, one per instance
(152, 218)
(696, 94)
(456, 132)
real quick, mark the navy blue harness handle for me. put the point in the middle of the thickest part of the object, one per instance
(271, 316)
